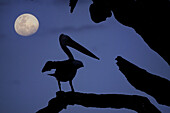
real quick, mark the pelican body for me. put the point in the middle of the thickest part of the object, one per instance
(66, 70)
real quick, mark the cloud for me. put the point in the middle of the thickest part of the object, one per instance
(70, 29)
(80, 28)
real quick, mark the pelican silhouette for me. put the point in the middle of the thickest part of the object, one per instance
(66, 70)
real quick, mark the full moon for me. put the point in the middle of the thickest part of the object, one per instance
(26, 24)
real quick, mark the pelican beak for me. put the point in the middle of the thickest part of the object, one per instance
(66, 40)
(47, 67)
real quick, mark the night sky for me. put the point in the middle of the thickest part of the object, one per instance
(24, 89)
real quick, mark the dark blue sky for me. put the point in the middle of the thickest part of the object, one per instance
(24, 89)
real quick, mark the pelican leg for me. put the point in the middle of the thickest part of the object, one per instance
(59, 84)
(71, 85)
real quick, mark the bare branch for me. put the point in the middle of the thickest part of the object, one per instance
(153, 85)
(133, 102)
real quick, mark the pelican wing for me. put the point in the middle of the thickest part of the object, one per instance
(58, 65)
(49, 66)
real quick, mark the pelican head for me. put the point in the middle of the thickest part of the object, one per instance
(78, 64)
(65, 40)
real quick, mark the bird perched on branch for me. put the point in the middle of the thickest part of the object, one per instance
(66, 70)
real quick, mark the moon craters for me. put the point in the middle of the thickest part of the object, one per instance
(26, 24)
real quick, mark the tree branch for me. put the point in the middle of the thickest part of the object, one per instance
(133, 102)
(151, 84)
(143, 16)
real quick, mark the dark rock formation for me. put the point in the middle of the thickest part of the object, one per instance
(151, 84)
(149, 18)
(133, 102)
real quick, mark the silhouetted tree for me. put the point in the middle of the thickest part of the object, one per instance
(118, 101)
(149, 18)
(151, 84)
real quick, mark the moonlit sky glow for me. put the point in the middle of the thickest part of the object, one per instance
(24, 89)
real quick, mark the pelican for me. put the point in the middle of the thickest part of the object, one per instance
(66, 70)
